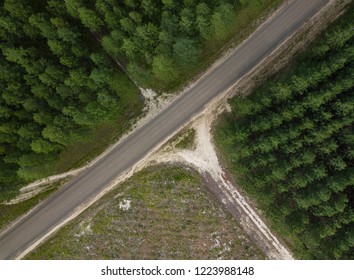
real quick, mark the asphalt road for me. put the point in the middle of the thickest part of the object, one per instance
(94, 180)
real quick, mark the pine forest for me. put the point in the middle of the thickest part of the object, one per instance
(61, 68)
(69, 67)
(291, 146)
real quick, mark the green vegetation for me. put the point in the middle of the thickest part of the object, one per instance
(159, 213)
(61, 87)
(291, 146)
(186, 140)
(58, 87)
(9, 213)
(164, 43)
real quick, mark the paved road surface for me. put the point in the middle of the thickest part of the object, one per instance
(89, 183)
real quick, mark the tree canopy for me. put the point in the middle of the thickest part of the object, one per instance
(290, 144)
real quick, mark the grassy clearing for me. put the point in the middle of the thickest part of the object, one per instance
(159, 213)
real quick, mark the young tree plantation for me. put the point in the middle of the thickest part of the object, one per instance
(291, 145)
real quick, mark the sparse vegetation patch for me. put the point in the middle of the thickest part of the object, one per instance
(159, 213)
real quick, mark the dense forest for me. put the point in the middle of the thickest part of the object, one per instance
(55, 87)
(158, 41)
(59, 73)
(291, 146)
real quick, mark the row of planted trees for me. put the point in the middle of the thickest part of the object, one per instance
(291, 144)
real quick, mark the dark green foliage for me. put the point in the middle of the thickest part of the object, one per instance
(186, 51)
(151, 37)
(157, 36)
(54, 83)
(58, 62)
(59, 79)
(291, 145)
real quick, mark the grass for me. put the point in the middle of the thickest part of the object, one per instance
(170, 216)
(9, 213)
(183, 140)
(247, 20)
(187, 141)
